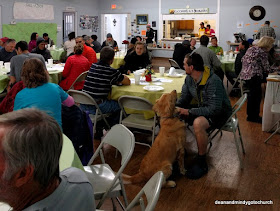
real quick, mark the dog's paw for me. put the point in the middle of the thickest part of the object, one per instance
(183, 171)
(170, 184)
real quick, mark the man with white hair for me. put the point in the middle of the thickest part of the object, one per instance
(30, 147)
(8, 51)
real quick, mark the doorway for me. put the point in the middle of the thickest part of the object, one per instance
(118, 25)
(69, 24)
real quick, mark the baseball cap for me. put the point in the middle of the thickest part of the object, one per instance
(4, 39)
(148, 26)
(109, 35)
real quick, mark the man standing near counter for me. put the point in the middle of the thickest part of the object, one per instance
(149, 34)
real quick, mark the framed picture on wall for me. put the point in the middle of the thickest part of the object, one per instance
(142, 19)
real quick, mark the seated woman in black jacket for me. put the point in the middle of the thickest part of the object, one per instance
(137, 59)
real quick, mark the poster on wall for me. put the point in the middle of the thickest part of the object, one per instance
(89, 22)
(24, 10)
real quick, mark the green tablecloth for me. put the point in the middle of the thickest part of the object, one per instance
(4, 80)
(118, 61)
(56, 53)
(227, 66)
(55, 77)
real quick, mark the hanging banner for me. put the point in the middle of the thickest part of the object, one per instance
(186, 11)
(33, 11)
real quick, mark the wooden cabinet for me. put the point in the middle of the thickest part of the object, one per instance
(185, 24)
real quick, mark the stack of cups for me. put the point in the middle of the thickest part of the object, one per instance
(137, 77)
(50, 62)
(161, 71)
(7, 65)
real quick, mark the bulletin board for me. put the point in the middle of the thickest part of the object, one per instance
(23, 31)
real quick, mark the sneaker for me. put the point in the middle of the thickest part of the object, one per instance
(255, 119)
(197, 171)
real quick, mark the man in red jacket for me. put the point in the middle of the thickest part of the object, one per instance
(88, 52)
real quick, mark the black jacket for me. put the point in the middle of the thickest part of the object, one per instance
(180, 53)
(134, 62)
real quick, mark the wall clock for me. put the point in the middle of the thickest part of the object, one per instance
(257, 13)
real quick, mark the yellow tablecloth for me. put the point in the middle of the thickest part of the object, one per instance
(69, 157)
(118, 61)
(56, 53)
(137, 90)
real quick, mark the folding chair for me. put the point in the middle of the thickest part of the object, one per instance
(231, 125)
(238, 79)
(178, 69)
(84, 98)
(137, 120)
(151, 190)
(80, 78)
(275, 108)
(106, 183)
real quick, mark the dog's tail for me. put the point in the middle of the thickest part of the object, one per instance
(137, 178)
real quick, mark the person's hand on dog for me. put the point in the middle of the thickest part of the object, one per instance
(182, 111)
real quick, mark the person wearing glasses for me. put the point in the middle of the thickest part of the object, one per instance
(204, 104)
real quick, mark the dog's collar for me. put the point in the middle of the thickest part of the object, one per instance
(169, 117)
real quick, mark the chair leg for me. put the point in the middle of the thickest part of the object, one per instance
(113, 204)
(241, 140)
(123, 192)
(277, 129)
(237, 148)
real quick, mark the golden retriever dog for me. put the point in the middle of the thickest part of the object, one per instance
(168, 145)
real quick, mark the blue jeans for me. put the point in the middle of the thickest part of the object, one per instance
(108, 106)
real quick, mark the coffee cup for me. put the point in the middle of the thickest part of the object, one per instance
(172, 71)
(50, 62)
(7, 65)
(137, 78)
(226, 57)
(1, 64)
(49, 46)
(53, 46)
(161, 71)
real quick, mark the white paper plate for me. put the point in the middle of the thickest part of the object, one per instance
(153, 88)
(176, 75)
(157, 83)
(273, 76)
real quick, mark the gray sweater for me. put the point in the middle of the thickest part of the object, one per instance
(17, 63)
(209, 57)
(213, 100)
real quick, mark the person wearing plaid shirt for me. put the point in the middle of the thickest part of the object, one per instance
(266, 30)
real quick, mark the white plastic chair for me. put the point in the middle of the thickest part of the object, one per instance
(84, 98)
(151, 190)
(232, 125)
(137, 120)
(178, 69)
(106, 183)
(80, 78)
(275, 108)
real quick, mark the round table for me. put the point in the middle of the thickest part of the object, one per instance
(117, 63)
(56, 53)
